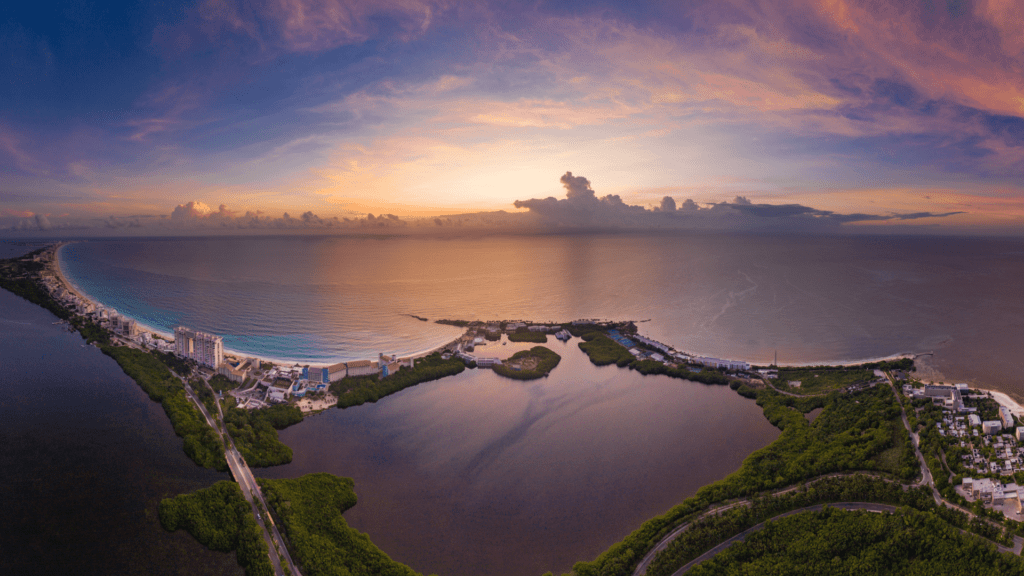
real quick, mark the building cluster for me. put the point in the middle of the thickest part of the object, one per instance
(993, 448)
(993, 492)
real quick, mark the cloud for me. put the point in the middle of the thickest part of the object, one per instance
(318, 25)
(582, 208)
(194, 210)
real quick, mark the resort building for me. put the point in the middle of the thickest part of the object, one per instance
(316, 375)
(361, 368)
(719, 363)
(946, 396)
(1005, 417)
(206, 349)
(991, 426)
(234, 373)
(336, 372)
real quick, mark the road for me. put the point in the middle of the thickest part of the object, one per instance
(250, 488)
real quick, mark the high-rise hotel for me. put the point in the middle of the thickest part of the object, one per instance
(204, 348)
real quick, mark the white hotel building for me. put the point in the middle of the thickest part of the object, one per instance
(204, 348)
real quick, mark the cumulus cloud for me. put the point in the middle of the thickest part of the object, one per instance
(582, 208)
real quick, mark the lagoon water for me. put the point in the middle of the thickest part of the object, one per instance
(479, 475)
(85, 458)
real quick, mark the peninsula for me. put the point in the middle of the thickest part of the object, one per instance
(870, 436)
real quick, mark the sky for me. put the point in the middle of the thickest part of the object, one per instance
(820, 114)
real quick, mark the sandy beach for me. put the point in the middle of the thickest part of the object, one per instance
(1005, 400)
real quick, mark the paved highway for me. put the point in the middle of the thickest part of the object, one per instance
(250, 489)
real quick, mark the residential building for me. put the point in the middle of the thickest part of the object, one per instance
(1005, 417)
(206, 349)
(991, 426)
(974, 419)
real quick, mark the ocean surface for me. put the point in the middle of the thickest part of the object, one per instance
(810, 299)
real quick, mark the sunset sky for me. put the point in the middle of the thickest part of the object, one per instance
(116, 113)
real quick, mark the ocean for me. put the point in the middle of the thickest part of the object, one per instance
(747, 297)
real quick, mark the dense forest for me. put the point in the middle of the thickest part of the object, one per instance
(309, 510)
(839, 542)
(220, 519)
(255, 433)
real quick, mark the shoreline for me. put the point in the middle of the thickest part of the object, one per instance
(1002, 398)
(144, 327)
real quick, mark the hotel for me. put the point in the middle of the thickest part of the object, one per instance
(206, 349)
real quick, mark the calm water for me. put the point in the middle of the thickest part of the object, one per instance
(478, 474)
(85, 458)
(744, 297)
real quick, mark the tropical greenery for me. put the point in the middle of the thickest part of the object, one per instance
(255, 433)
(525, 335)
(602, 350)
(202, 444)
(819, 379)
(546, 361)
(309, 511)
(220, 519)
(839, 542)
(356, 390)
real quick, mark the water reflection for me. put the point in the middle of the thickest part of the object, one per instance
(477, 474)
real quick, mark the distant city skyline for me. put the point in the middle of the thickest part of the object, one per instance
(313, 114)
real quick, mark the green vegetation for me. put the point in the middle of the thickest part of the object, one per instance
(861, 431)
(356, 390)
(221, 383)
(524, 335)
(602, 350)
(255, 433)
(309, 511)
(820, 379)
(220, 519)
(839, 542)
(202, 444)
(536, 362)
